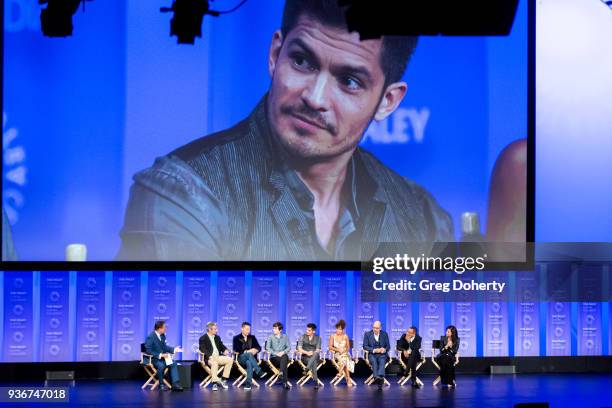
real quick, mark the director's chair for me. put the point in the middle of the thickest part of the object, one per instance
(340, 367)
(435, 346)
(308, 376)
(275, 370)
(243, 373)
(370, 379)
(404, 379)
(207, 369)
(146, 361)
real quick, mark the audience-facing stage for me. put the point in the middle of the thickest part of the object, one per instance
(559, 390)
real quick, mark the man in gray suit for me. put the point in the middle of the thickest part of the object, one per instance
(309, 346)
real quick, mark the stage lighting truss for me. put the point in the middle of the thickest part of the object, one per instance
(56, 18)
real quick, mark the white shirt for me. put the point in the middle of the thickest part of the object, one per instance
(376, 336)
(214, 345)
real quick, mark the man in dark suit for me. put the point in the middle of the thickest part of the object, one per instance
(376, 343)
(215, 355)
(246, 346)
(410, 347)
(157, 347)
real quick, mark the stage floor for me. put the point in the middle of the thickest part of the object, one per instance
(560, 390)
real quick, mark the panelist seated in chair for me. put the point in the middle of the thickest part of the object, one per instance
(157, 347)
(449, 346)
(216, 355)
(247, 347)
(278, 348)
(410, 347)
(376, 343)
(339, 345)
(309, 346)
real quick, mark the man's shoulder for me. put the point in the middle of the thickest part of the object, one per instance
(213, 143)
(390, 180)
(408, 197)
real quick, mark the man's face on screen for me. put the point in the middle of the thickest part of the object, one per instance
(326, 88)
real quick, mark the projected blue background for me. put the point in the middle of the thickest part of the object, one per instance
(104, 316)
(83, 114)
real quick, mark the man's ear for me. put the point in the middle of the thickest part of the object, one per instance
(392, 97)
(275, 47)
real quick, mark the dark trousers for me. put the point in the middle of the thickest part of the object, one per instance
(282, 363)
(447, 368)
(160, 365)
(378, 361)
(411, 362)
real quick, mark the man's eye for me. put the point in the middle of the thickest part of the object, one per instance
(350, 83)
(301, 62)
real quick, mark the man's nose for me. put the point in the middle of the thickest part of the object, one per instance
(316, 94)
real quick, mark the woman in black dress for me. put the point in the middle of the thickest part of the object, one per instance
(449, 346)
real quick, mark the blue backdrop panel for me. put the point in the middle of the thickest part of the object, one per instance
(161, 303)
(558, 315)
(231, 302)
(332, 306)
(196, 310)
(399, 312)
(527, 319)
(127, 334)
(18, 321)
(364, 314)
(90, 328)
(464, 317)
(495, 322)
(54, 326)
(265, 304)
(299, 304)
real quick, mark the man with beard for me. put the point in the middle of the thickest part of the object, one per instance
(290, 182)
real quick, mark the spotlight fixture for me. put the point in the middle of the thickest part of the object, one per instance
(56, 18)
(186, 24)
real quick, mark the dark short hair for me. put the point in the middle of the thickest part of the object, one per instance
(246, 324)
(396, 50)
(414, 328)
(341, 324)
(312, 326)
(159, 324)
(279, 325)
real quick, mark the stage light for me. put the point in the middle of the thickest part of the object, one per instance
(186, 24)
(56, 18)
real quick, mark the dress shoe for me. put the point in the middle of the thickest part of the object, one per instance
(163, 387)
(177, 388)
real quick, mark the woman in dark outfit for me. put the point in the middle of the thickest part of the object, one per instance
(449, 346)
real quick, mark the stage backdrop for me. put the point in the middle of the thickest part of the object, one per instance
(104, 316)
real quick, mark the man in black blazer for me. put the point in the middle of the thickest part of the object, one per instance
(410, 347)
(157, 347)
(215, 355)
(246, 346)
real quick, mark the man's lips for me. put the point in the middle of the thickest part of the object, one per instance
(308, 121)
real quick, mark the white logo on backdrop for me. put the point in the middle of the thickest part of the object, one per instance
(20, 15)
(14, 171)
(405, 125)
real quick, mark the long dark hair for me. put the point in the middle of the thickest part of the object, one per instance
(454, 336)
